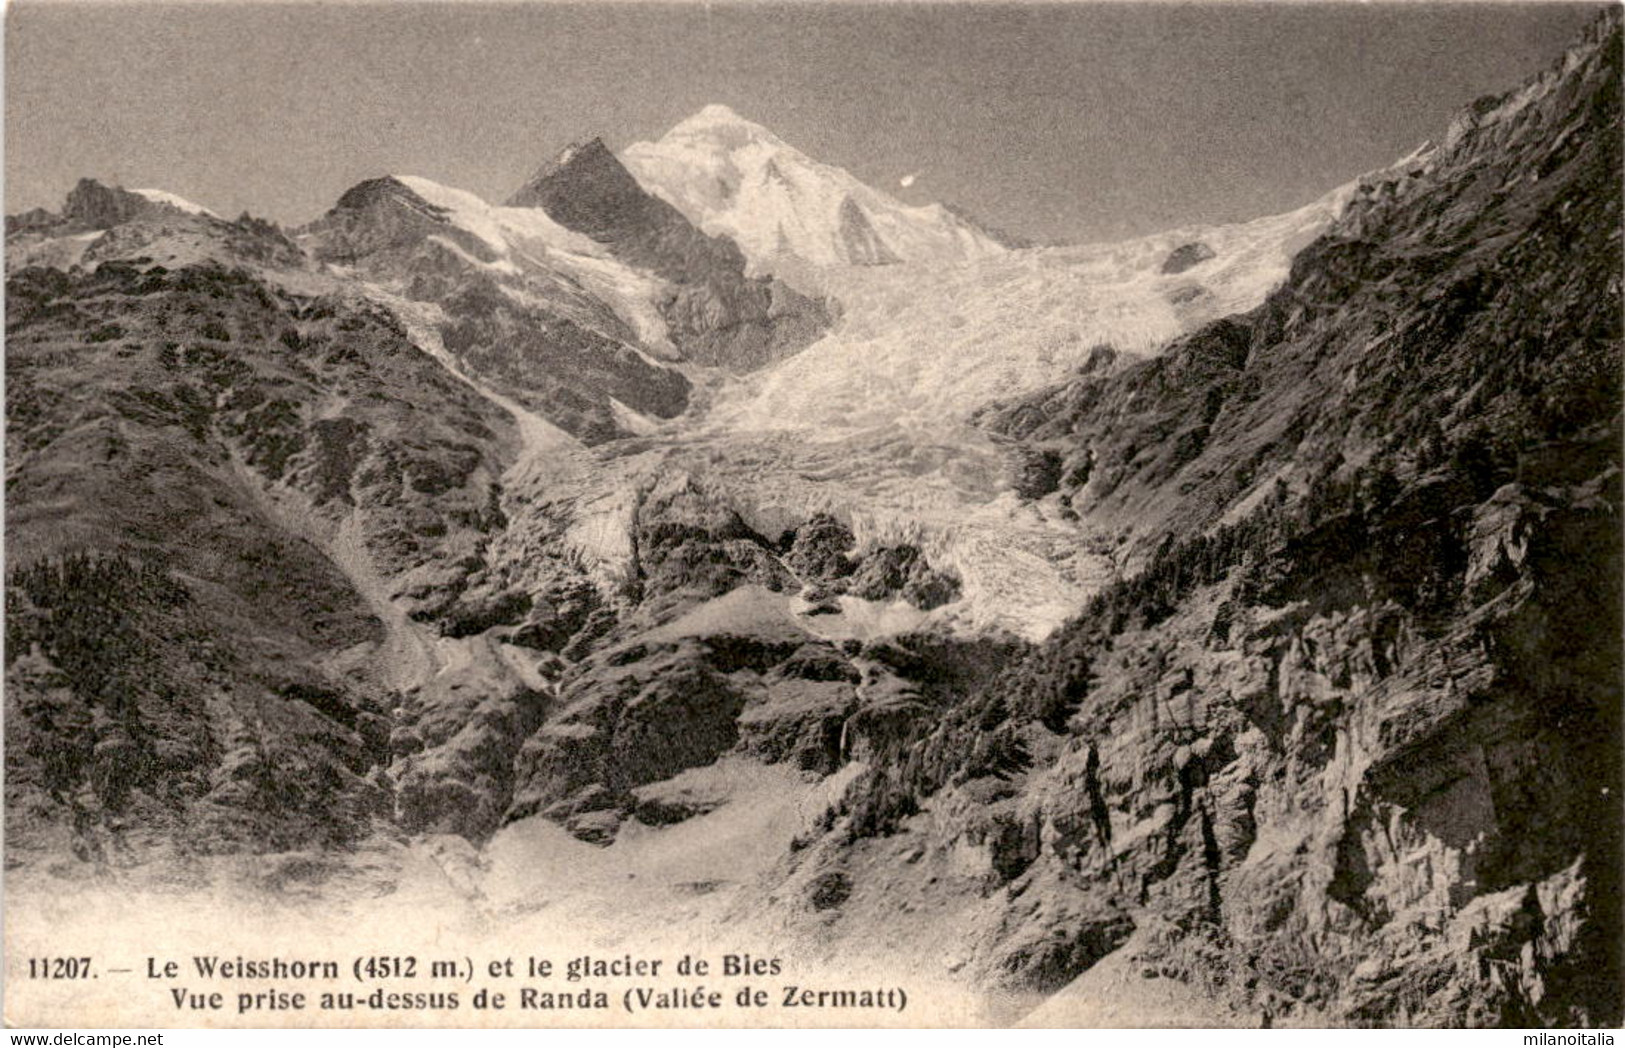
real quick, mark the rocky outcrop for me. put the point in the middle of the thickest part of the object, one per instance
(860, 244)
(819, 552)
(455, 740)
(588, 190)
(91, 205)
(692, 544)
(381, 214)
(825, 557)
(1185, 256)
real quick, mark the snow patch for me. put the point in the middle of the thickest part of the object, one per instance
(159, 196)
(632, 420)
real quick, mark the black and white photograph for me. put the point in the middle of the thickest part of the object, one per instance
(821, 514)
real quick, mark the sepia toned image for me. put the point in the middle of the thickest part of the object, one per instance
(813, 515)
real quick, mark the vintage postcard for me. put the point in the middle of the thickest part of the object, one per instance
(812, 514)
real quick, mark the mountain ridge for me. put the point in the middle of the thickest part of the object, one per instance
(716, 314)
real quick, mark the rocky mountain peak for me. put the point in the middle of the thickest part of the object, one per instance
(375, 191)
(151, 223)
(92, 205)
(584, 180)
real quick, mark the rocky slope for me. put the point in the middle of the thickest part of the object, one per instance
(1345, 748)
(209, 479)
(516, 300)
(1259, 641)
(583, 313)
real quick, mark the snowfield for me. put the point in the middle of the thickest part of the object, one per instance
(921, 343)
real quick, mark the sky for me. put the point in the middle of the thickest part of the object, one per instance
(1061, 122)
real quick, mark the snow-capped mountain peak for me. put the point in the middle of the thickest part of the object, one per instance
(716, 113)
(734, 178)
(716, 116)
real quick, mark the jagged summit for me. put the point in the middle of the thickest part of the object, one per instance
(1002, 237)
(570, 151)
(92, 205)
(99, 221)
(180, 203)
(582, 187)
(1252, 654)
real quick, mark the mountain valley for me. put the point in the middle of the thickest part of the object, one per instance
(704, 541)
